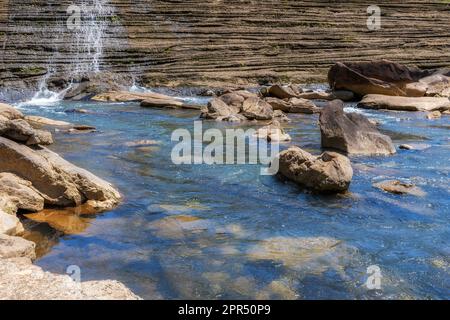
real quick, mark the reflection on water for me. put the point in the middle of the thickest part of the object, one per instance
(198, 231)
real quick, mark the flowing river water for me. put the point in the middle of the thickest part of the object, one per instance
(227, 232)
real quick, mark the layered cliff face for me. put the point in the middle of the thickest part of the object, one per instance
(193, 42)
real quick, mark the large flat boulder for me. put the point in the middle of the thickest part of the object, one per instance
(58, 181)
(293, 105)
(21, 131)
(21, 280)
(329, 172)
(377, 101)
(377, 77)
(352, 133)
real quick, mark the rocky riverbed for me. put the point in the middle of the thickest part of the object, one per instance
(200, 231)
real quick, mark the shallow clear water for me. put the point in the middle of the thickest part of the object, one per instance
(199, 231)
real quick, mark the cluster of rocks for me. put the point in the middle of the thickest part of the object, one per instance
(392, 86)
(382, 85)
(269, 103)
(31, 178)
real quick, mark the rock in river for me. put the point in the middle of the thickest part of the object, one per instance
(378, 101)
(352, 133)
(329, 172)
(377, 77)
(59, 182)
(255, 108)
(398, 187)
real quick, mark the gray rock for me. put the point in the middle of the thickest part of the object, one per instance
(351, 132)
(57, 180)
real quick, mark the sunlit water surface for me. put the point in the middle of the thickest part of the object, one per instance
(227, 232)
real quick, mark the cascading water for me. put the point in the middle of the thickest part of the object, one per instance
(86, 36)
(89, 36)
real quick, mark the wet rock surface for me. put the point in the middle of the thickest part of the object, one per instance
(351, 132)
(329, 172)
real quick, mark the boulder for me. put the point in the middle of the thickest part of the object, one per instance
(10, 224)
(300, 105)
(377, 77)
(398, 187)
(167, 103)
(58, 181)
(233, 99)
(16, 247)
(218, 109)
(256, 109)
(329, 172)
(293, 105)
(344, 95)
(281, 92)
(376, 101)
(273, 133)
(9, 112)
(21, 280)
(19, 194)
(351, 132)
(21, 131)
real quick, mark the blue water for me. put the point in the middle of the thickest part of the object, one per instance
(192, 231)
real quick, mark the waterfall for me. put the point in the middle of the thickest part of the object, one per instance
(84, 37)
(87, 44)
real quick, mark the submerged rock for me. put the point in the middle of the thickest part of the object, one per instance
(329, 172)
(58, 181)
(352, 133)
(398, 187)
(20, 280)
(377, 101)
(310, 254)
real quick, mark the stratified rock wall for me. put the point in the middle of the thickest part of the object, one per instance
(216, 41)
